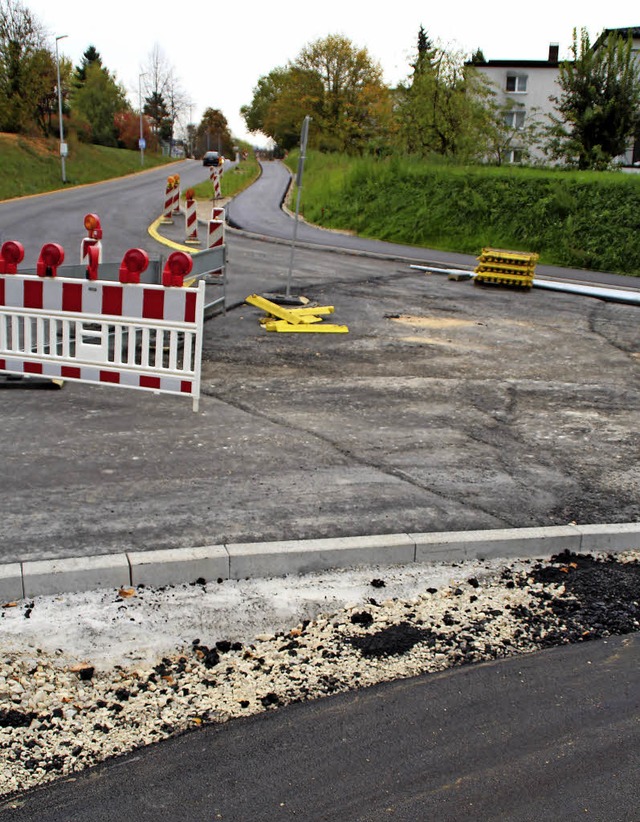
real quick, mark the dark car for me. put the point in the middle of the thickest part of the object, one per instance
(211, 158)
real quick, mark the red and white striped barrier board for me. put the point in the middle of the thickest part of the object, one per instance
(215, 175)
(131, 335)
(191, 223)
(176, 198)
(215, 234)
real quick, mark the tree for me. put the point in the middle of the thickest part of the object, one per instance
(347, 114)
(97, 101)
(599, 103)
(25, 71)
(511, 128)
(337, 84)
(442, 107)
(90, 57)
(155, 109)
(165, 101)
(213, 133)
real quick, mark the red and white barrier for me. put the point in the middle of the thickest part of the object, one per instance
(176, 194)
(216, 173)
(169, 196)
(215, 233)
(191, 223)
(147, 337)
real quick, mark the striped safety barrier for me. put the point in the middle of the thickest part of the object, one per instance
(169, 193)
(176, 194)
(147, 337)
(191, 223)
(216, 173)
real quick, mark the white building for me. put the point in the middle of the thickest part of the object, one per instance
(525, 88)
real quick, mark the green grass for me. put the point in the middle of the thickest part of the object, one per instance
(232, 182)
(30, 166)
(580, 219)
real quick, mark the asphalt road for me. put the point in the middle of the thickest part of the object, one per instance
(445, 407)
(126, 207)
(549, 736)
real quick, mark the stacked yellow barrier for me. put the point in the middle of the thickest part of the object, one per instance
(500, 267)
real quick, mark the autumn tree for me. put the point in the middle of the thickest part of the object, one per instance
(339, 85)
(599, 102)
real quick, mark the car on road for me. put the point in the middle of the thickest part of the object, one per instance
(211, 158)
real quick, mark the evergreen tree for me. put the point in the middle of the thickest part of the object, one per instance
(90, 57)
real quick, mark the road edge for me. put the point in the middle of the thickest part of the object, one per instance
(245, 560)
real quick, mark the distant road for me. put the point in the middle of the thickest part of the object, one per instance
(126, 207)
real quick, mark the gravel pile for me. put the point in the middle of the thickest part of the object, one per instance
(59, 715)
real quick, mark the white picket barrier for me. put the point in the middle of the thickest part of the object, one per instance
(140, 336)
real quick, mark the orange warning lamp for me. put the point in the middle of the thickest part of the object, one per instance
(51, 256)
(134, 262)
(178, 265)
(11, 254)
(92, 224)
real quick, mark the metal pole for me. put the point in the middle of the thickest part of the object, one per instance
(141, 140)
(60, 126)
(303, 148)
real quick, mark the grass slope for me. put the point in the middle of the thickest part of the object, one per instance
(586, 220)
(33, 166)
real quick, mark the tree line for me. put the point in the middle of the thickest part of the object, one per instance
(447, 107)
(94, 103)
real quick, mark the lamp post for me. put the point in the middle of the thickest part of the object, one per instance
(63, 145)
(141, 141)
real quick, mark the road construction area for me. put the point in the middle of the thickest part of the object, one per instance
(446, 406)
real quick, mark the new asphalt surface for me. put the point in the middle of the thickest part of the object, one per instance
(445, 407)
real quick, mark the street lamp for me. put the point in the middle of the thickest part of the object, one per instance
(141, 141)
(63, 145)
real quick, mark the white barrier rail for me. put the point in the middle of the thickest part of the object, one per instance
(147, 337)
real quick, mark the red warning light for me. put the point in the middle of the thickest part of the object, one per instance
(11, 254)
(178, 265)
(134, 262)
(51, 256)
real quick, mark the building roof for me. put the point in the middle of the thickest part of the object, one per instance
(517, 64)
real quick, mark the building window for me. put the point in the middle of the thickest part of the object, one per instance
(517, 82)
(514, 119)
(516, 155)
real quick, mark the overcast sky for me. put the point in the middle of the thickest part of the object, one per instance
(219, 54)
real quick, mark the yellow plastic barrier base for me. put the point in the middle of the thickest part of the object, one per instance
(305, 318)
(326, 328)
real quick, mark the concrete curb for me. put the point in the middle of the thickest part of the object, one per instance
(274, 559)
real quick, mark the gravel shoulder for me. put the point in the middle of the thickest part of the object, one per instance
(128, 668)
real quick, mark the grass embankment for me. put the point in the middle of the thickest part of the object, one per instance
(232, 181)
(32, 166)
(578, 219)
